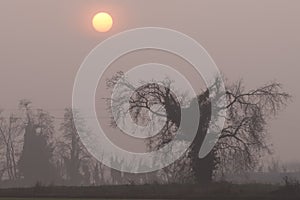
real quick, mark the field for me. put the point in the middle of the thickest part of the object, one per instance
(222, 191)
(37, 198)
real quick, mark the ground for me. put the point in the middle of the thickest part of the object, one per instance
(222, 191)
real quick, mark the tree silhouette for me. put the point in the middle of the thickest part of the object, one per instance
(35, 162)
(72, 150)
(96, 175)
(243, 138)
(10, 136)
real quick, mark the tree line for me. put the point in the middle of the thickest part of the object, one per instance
(35, 151)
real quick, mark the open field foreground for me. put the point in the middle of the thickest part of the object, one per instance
(215, 191)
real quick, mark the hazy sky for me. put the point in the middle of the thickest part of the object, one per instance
(43, 43)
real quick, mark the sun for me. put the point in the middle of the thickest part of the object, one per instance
(102, 22)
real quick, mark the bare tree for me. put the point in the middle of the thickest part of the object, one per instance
(71, 150)
(116, 175)
(35, 163)
(10, 136)
(97, 174)
(243, 138)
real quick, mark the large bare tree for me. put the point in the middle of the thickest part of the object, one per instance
(242, 140)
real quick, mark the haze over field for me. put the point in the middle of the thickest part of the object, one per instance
(43, 43)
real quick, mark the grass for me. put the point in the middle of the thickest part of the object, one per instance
(222, 191)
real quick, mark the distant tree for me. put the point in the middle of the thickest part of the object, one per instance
(96, 175)
(273, 166)
(10, 135)
(116, 175)
(86, 177)
(35, 163)
(72, 151)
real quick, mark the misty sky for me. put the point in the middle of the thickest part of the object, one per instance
(43, 43)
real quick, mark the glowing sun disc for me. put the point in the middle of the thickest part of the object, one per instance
(102, 22)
